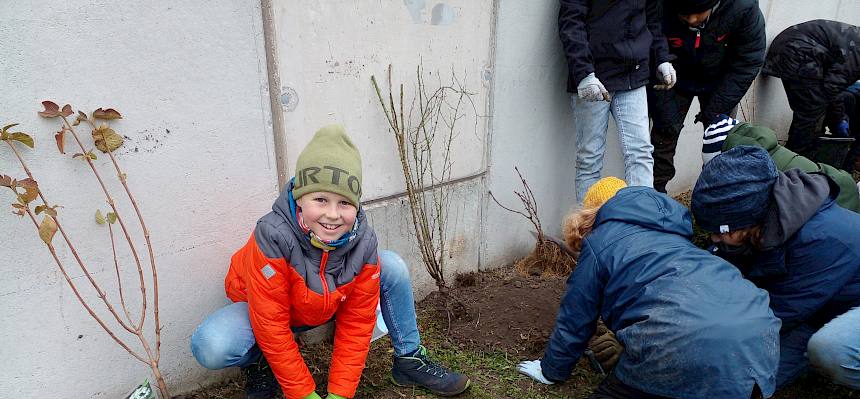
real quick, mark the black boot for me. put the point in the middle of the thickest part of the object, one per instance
(418, 370)
(260, 382)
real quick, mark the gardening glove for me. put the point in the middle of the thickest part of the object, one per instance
(333, 396)
(590, 89)
(666, 74)
(313, 395)
(606, 348)
(532, 369)
(841, 129)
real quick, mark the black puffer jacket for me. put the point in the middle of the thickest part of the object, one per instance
(821, 52)
(720, 59)
(613, 39)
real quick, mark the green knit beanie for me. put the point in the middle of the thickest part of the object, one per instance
(330, 162)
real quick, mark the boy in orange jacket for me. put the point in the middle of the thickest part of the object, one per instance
(314, 259)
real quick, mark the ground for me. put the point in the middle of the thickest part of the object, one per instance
(505, 318)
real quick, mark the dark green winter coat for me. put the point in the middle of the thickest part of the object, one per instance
(746, 134)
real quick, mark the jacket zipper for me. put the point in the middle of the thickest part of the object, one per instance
(698, 38)
(323, 262)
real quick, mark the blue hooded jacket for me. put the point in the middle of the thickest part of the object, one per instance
(691, 325)
(810, 265)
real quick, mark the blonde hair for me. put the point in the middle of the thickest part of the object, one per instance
(577, 225)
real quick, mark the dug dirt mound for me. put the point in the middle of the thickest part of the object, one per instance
(504, 311)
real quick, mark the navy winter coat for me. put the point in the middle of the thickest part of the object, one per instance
(611, 38)
(721, 59)
(823, 53)
(691, 325)
(811, 265)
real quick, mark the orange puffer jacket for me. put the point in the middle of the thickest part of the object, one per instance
(288, 283)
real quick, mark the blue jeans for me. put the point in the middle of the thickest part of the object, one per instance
(225, 338)
(833, 350)
(629, 108)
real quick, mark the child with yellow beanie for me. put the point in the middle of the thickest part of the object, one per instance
(311, 260)
(689, 325)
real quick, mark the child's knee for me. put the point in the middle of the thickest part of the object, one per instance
(393, 266)
(830, 353)
(208, 349)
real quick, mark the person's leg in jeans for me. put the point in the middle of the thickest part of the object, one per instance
(630, 110)
(807, 122)
(834, 350)
(590, 120)
(412, 366)
(225, 339)
(668, 109)
(398, 303)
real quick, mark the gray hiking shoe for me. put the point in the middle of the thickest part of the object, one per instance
(417, 370)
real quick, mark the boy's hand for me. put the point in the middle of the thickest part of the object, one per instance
(606, 348)
(590, 89)
(667, 75)
(532, 369)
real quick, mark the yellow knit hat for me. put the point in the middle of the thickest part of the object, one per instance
(602, 191)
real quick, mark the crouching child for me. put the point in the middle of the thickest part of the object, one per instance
(690, 324)
(785, 232)
(311, 260)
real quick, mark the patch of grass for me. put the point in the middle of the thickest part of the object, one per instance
(493, 373)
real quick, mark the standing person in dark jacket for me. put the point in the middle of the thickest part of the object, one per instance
(607, 44)
(816, 60)
(690, 324)
(849, 99)
(786, 234)
(718, 47)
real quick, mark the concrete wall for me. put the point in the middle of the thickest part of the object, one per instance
(328, 51)
(190, 80)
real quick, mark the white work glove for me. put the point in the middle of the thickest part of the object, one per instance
(590, 89)
(667, 75)
(532, 369)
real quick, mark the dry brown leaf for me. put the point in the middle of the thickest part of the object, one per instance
(52, 110)
(109, 113)
(31, 189)
(61, 143)
(47, 229)
(106, 139)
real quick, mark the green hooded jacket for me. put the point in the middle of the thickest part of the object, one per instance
(746, 134)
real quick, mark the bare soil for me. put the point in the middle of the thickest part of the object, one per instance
(497, 319)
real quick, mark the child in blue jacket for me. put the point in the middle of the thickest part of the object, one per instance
(691, 326)
(785, 232)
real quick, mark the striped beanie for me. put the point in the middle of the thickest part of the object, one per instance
(715, 135)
